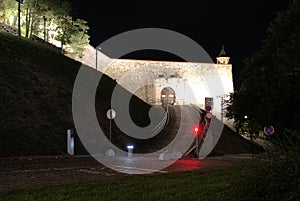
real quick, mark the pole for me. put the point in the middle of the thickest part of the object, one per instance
(197, 145)
(47, 35)
(96, 58)
(44, 27)
(110, 114)
(222, 109)
(19, 19)
(167, 100)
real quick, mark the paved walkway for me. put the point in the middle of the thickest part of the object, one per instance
(26, 172)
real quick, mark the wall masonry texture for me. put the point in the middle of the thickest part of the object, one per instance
(8, 29)
(192, 82)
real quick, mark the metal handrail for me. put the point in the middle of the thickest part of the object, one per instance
(164, 122)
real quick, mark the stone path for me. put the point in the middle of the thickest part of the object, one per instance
(27, 172)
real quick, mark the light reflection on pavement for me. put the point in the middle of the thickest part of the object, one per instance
(25, 172)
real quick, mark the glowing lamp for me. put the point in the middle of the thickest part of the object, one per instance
(197, 130)
(70, 141)
(130, 148)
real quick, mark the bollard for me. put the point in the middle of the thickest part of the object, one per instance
(70, 141)
(130, 148)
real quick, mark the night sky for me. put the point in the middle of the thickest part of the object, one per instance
(240, 25)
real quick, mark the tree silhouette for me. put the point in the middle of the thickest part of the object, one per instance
(269, 93)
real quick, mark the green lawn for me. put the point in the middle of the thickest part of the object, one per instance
(192, 185)
(256, 181)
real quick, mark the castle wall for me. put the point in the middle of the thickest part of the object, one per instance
(192, 82)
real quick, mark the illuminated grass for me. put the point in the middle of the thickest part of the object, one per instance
(257, 181)
(193, 185)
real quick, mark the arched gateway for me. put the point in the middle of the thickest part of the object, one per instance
(168, 96)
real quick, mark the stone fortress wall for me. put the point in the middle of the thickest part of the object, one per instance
(8, 29)
(191, 82)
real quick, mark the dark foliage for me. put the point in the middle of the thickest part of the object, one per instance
(269, 94)
(36, 86)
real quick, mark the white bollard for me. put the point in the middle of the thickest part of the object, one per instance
(70, 141)
(130, 148)
(110, 153)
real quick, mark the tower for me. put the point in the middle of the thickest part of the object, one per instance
(222, 58)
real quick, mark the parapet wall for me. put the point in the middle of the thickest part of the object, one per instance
(192, 82)
(8, 29)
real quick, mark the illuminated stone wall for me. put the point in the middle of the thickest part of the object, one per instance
(192, 82)
(8, 29)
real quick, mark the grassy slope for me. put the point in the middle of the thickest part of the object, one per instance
(36, 96)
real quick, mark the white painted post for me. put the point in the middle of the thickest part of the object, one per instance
(130, 148)
(70, 141)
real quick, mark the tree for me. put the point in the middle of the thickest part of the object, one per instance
(42, 16)
(64, 23)
(41, 13)
(30, 11)
(269, 93)
(9, 12)
(79, 37)
(2, 11)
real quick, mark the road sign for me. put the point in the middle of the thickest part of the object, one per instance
(269, 130)
(209, 102)
(111, 114)
(208, 108)
(208, 115)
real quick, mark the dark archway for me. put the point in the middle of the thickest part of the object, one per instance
(168, 96)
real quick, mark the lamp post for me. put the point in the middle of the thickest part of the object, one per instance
(45, 19)
(246, 118)
(19, 18)
(196, 130)
(96, 49)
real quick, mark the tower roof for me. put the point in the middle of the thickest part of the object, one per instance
(222, 53)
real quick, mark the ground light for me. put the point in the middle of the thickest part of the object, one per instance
(130, 149)
(70, 141)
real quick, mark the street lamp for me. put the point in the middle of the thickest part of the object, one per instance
(19, 18)
(96, 49)
(247, 124)
(45, 19)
